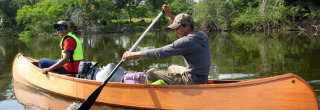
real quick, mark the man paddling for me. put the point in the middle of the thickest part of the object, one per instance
(192, 45)
(71, 53)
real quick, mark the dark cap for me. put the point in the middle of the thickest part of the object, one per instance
(60, 24)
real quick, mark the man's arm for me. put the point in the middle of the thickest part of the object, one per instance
(64, 60)
(130, 55)
(166, 9)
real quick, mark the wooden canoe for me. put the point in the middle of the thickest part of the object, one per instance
(283, 92)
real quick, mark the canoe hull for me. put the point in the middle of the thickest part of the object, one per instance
(286, 91)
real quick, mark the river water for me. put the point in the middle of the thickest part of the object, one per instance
(235, 56)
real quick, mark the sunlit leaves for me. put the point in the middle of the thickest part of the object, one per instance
(41, 16)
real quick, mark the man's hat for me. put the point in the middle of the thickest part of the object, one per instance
(182, 18)
(60, 24)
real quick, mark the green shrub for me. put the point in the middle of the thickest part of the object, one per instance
(26, 34)
(316, 14)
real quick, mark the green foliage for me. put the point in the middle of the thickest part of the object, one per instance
(156, 4)
(209, 11)
(316, 15)
(26, 34)
(250, 14)
(291, 12)
(249, 19)
(54, 12)
(277, 14)
(205, 11)
(140, 11)
(39, 15)
(8, 11)
(181, 6)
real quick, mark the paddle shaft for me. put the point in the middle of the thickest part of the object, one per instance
(94, 95)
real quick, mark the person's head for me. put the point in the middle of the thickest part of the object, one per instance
(62, 28)
(182, 24)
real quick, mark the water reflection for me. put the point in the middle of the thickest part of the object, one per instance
(8, 99)
(233, 55)
(314, 81)
(34, 99)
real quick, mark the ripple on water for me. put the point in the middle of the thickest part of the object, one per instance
(314, 81)
(234, 76)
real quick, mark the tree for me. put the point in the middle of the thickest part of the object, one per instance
(131, 6)
(39, 18)
(209, 11)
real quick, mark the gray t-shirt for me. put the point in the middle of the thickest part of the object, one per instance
(195, 50)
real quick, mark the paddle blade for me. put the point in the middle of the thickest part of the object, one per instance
(91, 99)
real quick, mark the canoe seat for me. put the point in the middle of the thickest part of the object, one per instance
(35, 63)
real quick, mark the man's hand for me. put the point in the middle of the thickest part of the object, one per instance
(129, 55)
(166, 9)
(45, 70)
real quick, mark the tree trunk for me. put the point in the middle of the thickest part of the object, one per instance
(217, 20)
(118, 28)
(130, 14)
(265, 12)
(1, 21)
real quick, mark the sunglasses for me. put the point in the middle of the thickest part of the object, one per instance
(61, 28)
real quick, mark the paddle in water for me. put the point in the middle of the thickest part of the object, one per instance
(92, 98)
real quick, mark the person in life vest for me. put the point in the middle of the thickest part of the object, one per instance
(71, 52)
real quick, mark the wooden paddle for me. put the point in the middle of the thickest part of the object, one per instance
(94, 95)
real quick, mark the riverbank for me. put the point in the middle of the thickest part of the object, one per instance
(139, 25)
